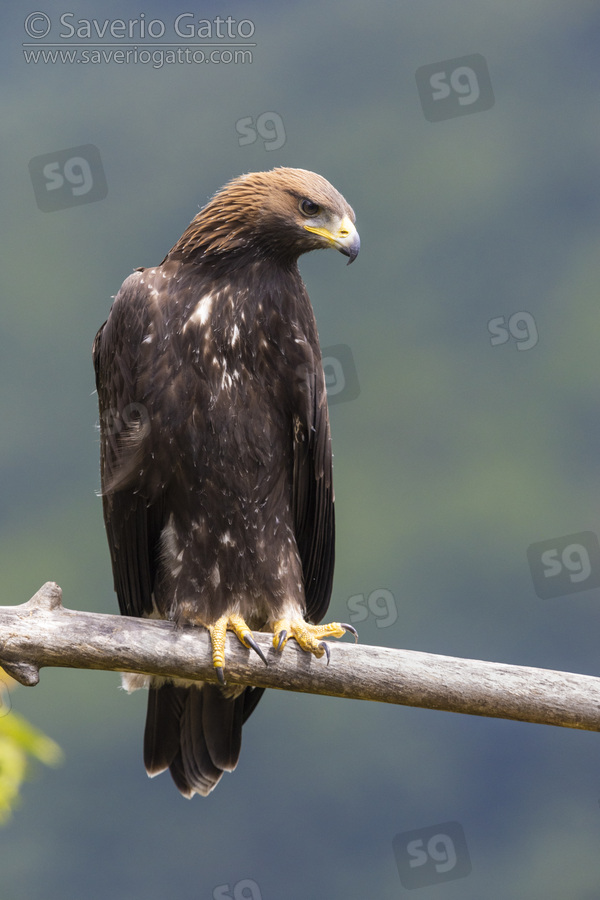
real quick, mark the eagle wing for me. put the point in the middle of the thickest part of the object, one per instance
(132, 506)
(313, 500)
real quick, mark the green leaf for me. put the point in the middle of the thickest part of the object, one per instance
(20, 743)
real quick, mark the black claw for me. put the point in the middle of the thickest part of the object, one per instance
(250, 640)
(323, 646)
(220, 674)
(351, 630)
(281, 638)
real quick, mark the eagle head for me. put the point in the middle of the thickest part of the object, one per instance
(278, 214)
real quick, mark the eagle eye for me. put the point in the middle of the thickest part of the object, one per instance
(309, 208)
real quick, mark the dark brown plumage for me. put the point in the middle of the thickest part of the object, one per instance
(215, 446)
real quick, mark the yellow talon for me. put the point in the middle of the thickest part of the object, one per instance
(218, 634)
(308, 637)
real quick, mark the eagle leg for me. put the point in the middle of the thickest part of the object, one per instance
(218, 632)
(309, 637)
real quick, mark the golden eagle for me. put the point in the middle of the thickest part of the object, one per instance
(215, 450)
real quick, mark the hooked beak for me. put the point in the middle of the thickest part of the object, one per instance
(345, 239)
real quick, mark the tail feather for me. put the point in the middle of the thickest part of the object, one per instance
(222, 721)
(195, 732)
(161, 737)
(192, 769)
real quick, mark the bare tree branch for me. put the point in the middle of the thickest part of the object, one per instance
(42, 632)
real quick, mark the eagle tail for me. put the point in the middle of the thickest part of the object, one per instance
(196, 733)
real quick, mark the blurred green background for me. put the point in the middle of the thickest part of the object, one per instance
(457, 455)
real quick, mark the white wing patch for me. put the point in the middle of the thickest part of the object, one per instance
(171, 548)
(215, 576)
(201, 313)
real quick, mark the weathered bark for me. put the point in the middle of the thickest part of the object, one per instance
(42, 632)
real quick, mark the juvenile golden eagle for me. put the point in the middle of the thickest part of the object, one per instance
(216, 453)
